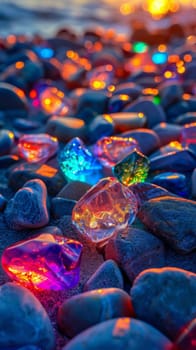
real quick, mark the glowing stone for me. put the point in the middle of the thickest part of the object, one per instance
(106, 209)
(159, 57)
(140, 47)
(78, 164)
(101, 77)
(110, 150)
(53, 101)
(44, 52)
(37, 148)
(47, 262)
(132, 169)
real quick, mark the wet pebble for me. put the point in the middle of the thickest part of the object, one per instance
(8, 160)
(65, 128)
(186, 118)
(10, 98)
(173, 220)
(177, 109)
(74, 190)
(144, 191)
(148, 140)
(6, 141)
(125, 121)
(61, 206)
(167, 132)
(96, 306)
(108, 275)
(96, 100)
(3, 202)
(23, 320)
(130, 89)
(173, 182)
(140, 250)
(50, 175)
(26, 125)
(154, 113)
(181, 161)
(120, 334)
(182, 261)
(170, 93)
(165, 298)
(102, 125)
(28, 207)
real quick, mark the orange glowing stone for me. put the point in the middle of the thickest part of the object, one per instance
(105, 210)
(53, 101)
(46, 262)
(37, 148)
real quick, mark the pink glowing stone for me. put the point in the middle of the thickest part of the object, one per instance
(36, 148)
(47, 262)
(110, 150)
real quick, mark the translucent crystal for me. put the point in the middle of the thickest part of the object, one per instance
(78, 163)
(37, 148)
(132, 169)
(110, 150)
(47, 261)
(106, 209)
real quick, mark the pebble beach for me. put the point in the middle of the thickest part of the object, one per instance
(97, 178)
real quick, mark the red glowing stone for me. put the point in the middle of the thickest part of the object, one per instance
(46, 262)
(37, 148)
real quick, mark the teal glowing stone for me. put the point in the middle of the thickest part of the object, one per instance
(159, 57)
(77, 163)
(132, 169)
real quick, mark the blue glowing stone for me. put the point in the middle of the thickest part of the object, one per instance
(173, 182)
(78, 164)
(159, 57)
(44, 52)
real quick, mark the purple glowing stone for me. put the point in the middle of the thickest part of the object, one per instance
(46, 262)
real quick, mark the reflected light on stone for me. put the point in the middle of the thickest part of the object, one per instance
(19, 65)
(122, 326)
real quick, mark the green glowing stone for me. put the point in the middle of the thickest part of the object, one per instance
(140, 47)
(132, 169)
(156, 100)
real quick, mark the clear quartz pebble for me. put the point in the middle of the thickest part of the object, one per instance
(105, 210)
